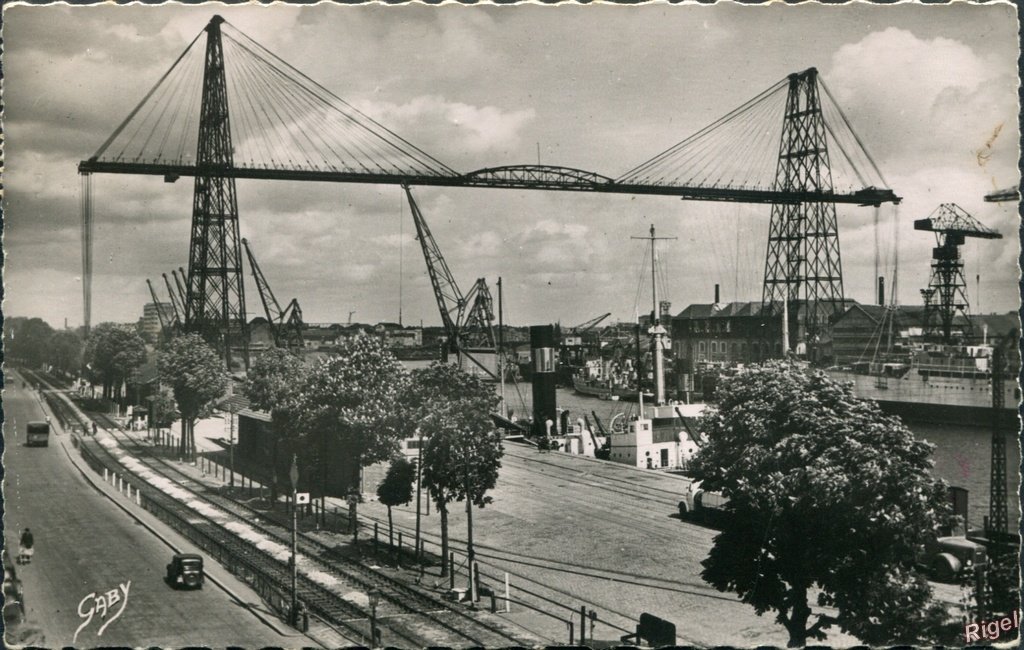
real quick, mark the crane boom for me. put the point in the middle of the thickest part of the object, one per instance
(165, 322)
(450, 301)
(181, 281)
(285, 324)
(590, 324)
(176, 304)
(469, 332)
(478, 330)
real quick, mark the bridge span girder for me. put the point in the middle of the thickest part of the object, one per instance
(522, 177)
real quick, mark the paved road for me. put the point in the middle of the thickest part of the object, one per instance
(86, 545)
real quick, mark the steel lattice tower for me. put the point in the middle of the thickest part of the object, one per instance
(215, 298)
(998, 519)
(803, 238)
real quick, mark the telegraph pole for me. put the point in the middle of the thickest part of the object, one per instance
(294, 475)
(419, 483)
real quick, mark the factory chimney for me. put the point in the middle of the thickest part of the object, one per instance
(881, 290)
(716, 294)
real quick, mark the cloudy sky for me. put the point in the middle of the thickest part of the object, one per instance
(931, 90)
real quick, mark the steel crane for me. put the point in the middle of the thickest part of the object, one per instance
(285, 324)
(468, 319)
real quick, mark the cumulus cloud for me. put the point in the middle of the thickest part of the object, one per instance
(488, 86)
(455, 126)
(936, 97)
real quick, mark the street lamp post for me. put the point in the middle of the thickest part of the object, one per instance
(419, 482)
(374, 599)
(294, 475)
(231, 448)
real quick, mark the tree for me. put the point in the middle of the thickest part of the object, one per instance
(826, 493)
(27, 340)
(112, 353)
(463, 451)
(197, 377)
(396, 488)
(163, 410)
(272, 385)
(349, 403)
(65, 352)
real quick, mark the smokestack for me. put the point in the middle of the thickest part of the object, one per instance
(542, 351)
(881, 290)
(716, 295)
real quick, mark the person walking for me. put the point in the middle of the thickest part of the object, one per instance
(26, 550)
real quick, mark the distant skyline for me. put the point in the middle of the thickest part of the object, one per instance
(931, 90)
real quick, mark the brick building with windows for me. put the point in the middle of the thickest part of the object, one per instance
(731, 333)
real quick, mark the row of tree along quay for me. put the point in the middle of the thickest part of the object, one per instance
(830, 503)
(352, 409)
(340, 414)
(829, 500)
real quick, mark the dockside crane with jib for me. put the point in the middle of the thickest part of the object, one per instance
(946, 295)
(468, 319)
(285, 324)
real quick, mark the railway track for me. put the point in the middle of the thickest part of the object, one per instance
(612, 484)
(415, 617)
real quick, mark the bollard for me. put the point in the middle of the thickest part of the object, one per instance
(508, 602)
(583, 625)
(474, 582)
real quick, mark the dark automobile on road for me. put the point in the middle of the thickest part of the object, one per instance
(185, 570)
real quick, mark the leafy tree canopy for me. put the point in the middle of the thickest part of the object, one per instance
(827, 496)
(28, 340)
(442, 383)
(462, 454)
(353, 397)
(65, 352)
(195, 373)
(113, 351)
(165, 411)
(396, 488)
(274, 380)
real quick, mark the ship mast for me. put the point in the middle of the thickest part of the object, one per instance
(657, 330)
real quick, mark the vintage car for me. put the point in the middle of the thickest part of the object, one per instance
(185, 570)
(947, 558)
(701, 504)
